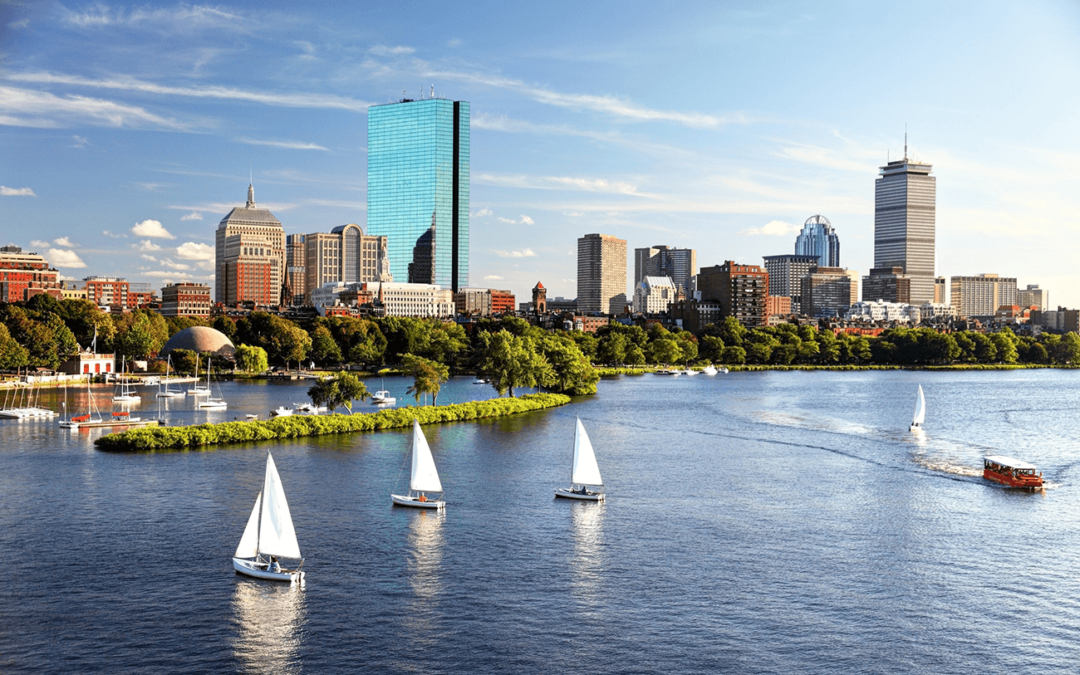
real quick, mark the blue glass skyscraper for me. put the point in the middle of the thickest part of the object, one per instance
(418, 183)
(818, 238)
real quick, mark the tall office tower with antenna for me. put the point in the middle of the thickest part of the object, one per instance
(418, 187)
(905, 202)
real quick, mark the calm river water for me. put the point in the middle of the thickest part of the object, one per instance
(756, 523)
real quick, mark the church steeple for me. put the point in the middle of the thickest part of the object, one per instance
(251, 196)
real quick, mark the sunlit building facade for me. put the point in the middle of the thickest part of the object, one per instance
(818, 239)
(418, 186)
(905, 203)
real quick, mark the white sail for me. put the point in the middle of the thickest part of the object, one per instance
(249, 543)
(586, 471)
(276, 534)
(424, 477)
(920, 408)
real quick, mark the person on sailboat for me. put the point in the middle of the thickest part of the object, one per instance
(274, 566)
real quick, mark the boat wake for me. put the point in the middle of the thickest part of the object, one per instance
(946, 465)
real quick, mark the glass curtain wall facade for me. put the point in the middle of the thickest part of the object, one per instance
(418, 182)
(818, 238)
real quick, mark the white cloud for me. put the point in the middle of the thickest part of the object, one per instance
(481, 213)
(288, 145)
(183, 16)
(60, 258)
(16, 192)
(167, 275)
(40, 244)
(65, 242)
(525, 220)
(174, 265)
(526, 253)
(146, 245)
(192, 251)
(151, 228)
(148, 257)
(80, 142)
(774, 228)
(28, 108)
(493, 277)
(560, 182)
(123, 83)
(113, 235)
(383, 50)
(194, 215)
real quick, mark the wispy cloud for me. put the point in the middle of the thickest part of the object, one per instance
(526, 253)
(29, 108)
(493, 277)
(61, 258)
(383, 50)
(774, 228)
(290, 145)
(125, 83)
(80, 142)
(16, 192)
(146, 245)
(151, 228)
(560, 182)
(38, 243)
(150, 186)
(194, 215)
(183, 16)
(113, 235)
(524, 220)
(480, 214)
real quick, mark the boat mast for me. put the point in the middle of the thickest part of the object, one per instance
(262, 505)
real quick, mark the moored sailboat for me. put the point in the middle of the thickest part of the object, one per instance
(166, 392)
(196, 389)
(423, 476)
(585, 472)
(269, 534)
(211, 402)
(127, 392)
(920, 412)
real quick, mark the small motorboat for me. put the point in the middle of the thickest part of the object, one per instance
(309, 408)
(281, 411)
(383, 397)
(480, 380)
(251, 416)
(423, 476)
(585, 472)
(690, 371)
(709, 370)
(1011, 472)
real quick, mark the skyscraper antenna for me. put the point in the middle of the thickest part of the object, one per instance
(905, 141)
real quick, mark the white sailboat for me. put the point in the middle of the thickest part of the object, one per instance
(269, 534)
(166, 392)
(92, 416)
(920, 412)
(127, 392)
(423, 478)
(585, 472)
(211, 402)
(709, 370)
(196, 389)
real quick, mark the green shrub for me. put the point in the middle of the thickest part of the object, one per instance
(299, 426)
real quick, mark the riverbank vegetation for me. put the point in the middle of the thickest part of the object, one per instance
(301, 426)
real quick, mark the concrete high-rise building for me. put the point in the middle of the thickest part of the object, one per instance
(940, 291)
(1033, 296)
(828, 291)
(741, 290)
(295, 269)
(678, 264)
(344, 254)
(982, 295)
(785, 276)
(888, 284)
(601, 276)
(818, 239)
(905, 198)
(249, 256)
(418, 186)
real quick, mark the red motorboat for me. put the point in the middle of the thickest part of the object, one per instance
(1011, 472)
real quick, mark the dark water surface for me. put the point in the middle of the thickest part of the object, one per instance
(756, 522)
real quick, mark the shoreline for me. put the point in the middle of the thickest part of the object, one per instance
(642, 370)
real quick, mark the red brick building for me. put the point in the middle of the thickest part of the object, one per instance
(107, 291)
(24, 275)
(502, 302)
(741, 290)
(185, 299)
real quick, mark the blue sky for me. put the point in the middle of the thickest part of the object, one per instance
(128, 130)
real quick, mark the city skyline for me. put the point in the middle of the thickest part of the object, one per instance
(625, 133)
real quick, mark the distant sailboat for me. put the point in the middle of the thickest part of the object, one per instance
(585, 471)
(423, 477)
(269, 534)
(920, 412)
(211, 402)
(166, 392)
(127, 392)
(196, 389)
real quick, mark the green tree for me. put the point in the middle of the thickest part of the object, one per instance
(711, 348)
(612, 348)
(251, 360)
(225, 325)
(283, 340)
(63, 337)
(324, 349)
(428, 376)
(734, 355)
(183, 361)
(340, 390)
(12, 354)
(732, 332)
(447, 341)
(665, 351)
(572, 372)
(634, 355)
(758, 352)
(509, 361)
(140, 338)
(688, 344)
(586, 342)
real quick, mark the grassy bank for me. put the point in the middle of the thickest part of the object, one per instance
(300, 426)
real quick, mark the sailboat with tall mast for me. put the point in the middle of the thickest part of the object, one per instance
(197, 389)
(127, 392)
(212, 402)
(585, 472)
(920, 412)
(166, 392)
(269, 534)
(423, 476)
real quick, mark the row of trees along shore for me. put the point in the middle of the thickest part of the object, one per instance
(513, 354)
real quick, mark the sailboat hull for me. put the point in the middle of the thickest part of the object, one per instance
(414, 502)
(170, 394)
(567, 493)
(127, 399)
(258, 570)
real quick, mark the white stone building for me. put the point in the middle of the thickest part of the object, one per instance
(652, 295)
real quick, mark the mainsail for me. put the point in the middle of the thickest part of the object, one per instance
(586, 471)
(920, 408)
(424, 477)
(249, 543)
(276, 534)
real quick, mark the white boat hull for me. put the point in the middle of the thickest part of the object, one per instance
(127, 399)
(199, 392)
(567, 493)
(213, 405)
(281, 412)
(259, 570)
(414, 502)
(170, 394)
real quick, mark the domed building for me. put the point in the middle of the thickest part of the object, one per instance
(200, 339)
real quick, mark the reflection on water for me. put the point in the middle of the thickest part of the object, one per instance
(425, 556)
(269, 619)
(587, 563)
